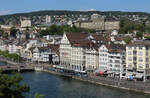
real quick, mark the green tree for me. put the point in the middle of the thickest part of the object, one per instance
(10, 86)
(1, 32)
(148, 28)
(139, 35)
(5, 35)
(13, 32)
(147, 37)
(36, 95)
(127, 40)
(27, 35)
(126, 26)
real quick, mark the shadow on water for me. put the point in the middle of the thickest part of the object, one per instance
(61, 87)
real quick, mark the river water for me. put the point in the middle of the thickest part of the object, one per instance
(53, 86)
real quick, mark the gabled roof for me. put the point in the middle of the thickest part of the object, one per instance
(86, 40)
(76, 36)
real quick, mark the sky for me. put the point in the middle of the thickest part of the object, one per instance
(20, 6)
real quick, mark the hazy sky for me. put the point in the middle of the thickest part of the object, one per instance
(17, 6)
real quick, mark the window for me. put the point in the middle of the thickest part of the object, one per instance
(130, 58)
(129, 53)
(134, 52)
(140, 53)
(140, 66)
(147, 65)
(134, 58)
(140, 59)
(146, 53)
(147, 59)
(140, 48)
(110, 65)
(129, 48)
(110, 61)
(117, 61)
(117, 65)
(129, 66)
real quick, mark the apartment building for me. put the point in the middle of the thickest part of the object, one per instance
(138, 58)
(77, 52)
(112, 58)
(91, 58)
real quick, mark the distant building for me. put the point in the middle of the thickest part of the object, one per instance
(48, 19)
(95, 16)
(25, 23)
(99, 23)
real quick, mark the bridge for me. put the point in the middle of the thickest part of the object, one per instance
(16, 68)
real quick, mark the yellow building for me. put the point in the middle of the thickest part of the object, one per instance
(138, 58)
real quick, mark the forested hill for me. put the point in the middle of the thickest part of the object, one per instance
(65, 12)
(15, 18)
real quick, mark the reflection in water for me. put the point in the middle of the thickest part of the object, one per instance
(61, 87)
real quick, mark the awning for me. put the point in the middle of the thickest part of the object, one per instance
(138, 76)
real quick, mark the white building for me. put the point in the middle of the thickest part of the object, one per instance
(26, 23)
(112, 58)
(40, 54)
(12, 48)
(48, 19)
(78, 53)
(91, 58)
(49, 54)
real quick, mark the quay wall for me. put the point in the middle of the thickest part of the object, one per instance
(138, 86)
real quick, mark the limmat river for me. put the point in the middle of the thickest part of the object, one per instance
(53, 86)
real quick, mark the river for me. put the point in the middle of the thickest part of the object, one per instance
(53, 86)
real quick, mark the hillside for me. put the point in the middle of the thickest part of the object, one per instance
(15, 17)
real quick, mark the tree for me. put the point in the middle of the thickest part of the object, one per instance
(5, 35)
(126, 26)
(127, 40)
(147, 37)
(1, 32)
(148, 28)
(36, 95)
(139, 34)
(27, 35)
(10, 86)
(13, 32)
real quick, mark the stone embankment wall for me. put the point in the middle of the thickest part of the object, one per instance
(137, 86)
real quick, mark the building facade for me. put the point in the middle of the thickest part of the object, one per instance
(99, 23)
(112, 58)
(138, 58)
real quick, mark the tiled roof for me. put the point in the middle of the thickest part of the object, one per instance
(54, 48)
(74, 37)
(115, 47)
(140, 43)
